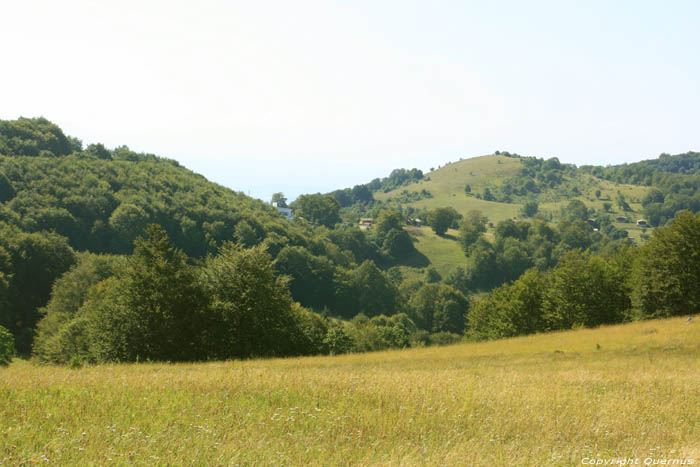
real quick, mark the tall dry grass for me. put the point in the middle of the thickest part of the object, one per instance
(551, 399)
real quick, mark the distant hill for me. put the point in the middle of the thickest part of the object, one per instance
(102, 199)
(499, 185)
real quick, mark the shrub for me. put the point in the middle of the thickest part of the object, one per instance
(7, 347)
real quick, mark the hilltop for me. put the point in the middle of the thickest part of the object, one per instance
(447, 186)
(501, 185)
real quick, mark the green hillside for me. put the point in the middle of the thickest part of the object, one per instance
(447, 187)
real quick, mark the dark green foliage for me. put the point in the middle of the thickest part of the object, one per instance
(510, 310)
(312, 278)
(245, 234)
(56, 331)
(101, 200)
(156, 306)
(667, 274)
(152, 309)
(584, 290)
(279, 199)
(127, 222)
(361, 195)
(35, 262)
(438, 308)
(431, 276)
(7, 347)
(471, 229)
(317, 209)
(395, 242)
(575, 210)
(369, 291)
(33, 137)
(388, 220)
(7, 191)
(530, 208)
(250, 311)
(381, 332)
(338, 341)
(99, 151)
(441, 219)
(356, 242)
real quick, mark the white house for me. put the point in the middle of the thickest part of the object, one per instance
(286, 212)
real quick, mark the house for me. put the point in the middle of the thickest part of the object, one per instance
(286, 212)
(621, 219)
(642, 223)
(366, 223)
(417, 222)
(593, 222)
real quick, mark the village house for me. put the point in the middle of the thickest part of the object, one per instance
(286, 212)
(366, 223)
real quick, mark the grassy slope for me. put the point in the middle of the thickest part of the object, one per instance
(444, 253)
(447, 186)
(540, 400)
(447, 183)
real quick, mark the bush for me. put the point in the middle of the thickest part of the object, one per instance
(7, 347)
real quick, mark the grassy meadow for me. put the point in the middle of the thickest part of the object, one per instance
(553, 399)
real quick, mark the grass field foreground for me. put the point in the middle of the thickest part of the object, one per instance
(552, 399)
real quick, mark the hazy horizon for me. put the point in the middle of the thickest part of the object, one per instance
(315, 96)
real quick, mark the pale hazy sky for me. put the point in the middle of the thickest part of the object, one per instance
(306, 96)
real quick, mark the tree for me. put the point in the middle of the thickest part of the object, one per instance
(245, 235)
(438, 308)
(362, 194)
(99, 151)
(7, 347)
(153, 309)
(56, 340)
(251, 310)
(7, 191)
(530, 208)
(397, 244)
(471, 228)
(280, 199)
(312, 278)
(653, 196)
(622, 202)
(128, 221)
(584, 290)
(667, 272)
(37, 260)
(369, 291)
(387, 220)
(321, 209)
(575, 210)
(510, 310)
(440, 219)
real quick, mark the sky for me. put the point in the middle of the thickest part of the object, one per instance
(311, 96)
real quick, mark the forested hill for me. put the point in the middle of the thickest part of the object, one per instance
(102, 199)
(62, 203)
